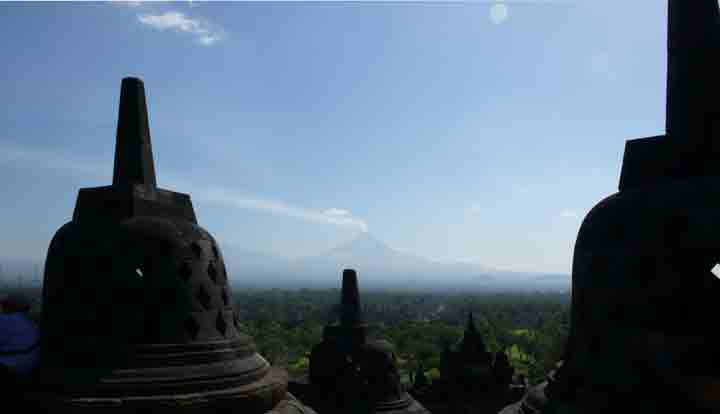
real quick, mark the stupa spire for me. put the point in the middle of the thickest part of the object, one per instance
(133, 150)
(693, 61)
(470, 323)
(691, 144)
(420, 378)
(350, 300)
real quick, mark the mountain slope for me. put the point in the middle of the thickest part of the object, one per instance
(378, 265)
(381, 266)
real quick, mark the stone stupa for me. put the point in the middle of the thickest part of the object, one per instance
(138, 316)
(471, 380)
(644, 295)
(350, 373)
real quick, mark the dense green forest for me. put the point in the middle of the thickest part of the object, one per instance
(531, 327)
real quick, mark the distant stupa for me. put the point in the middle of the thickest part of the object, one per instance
(348, 372)
(470, 380)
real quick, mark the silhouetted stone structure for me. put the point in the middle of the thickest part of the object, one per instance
(502, 370)
(350, 373)
(470, 380)
(137, 311)
(643, 295)
(535, 399)
(468, 365)
(420, 382)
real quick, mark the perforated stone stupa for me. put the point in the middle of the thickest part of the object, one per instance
(138, 315)
(643, 294)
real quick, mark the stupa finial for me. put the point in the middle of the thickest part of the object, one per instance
(350, 300)
(691, 144)
(470, 323)
(693, 87)
(133, 150)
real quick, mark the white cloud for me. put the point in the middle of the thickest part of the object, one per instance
(402, 249)
(209, 40)
(498, 12)
(235, 199)
(407, 251)
(126, 3)
(64, 161)
(171, 20)
(138, 3)
(336, 212)
(52, 160)
(569, 214)
(205, 33)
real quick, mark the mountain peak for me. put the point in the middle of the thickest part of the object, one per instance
(365, 246)
(364, 239)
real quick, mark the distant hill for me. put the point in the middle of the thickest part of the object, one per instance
(383, 267)
(379, 267)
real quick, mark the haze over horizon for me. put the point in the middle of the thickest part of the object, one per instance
(466, 132)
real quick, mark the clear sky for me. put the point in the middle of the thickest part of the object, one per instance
(478, 131)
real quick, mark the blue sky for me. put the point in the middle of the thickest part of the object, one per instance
(479, 131)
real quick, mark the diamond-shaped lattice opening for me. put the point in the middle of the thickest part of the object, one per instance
(220, 323)
(225, 297)
(185, 271)
(203, 297)
(139, 272)
(192, 327)
(196, 249)
(212, 272)
(716, 270)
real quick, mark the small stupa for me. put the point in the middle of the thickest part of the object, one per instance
(138, 315)
(468, 363)
(471, 380)
(350, 373)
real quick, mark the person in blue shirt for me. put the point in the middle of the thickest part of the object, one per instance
(19, 338)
